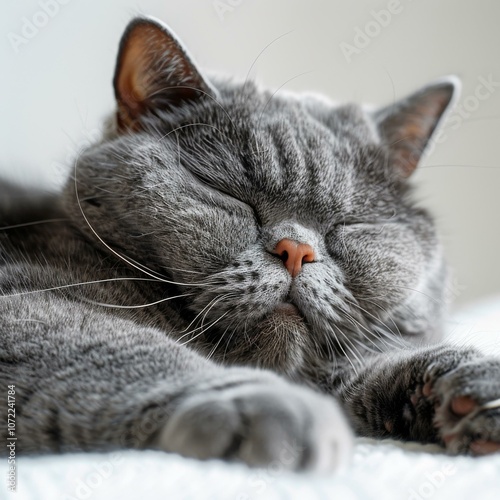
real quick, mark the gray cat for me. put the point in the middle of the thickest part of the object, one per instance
(235, 274)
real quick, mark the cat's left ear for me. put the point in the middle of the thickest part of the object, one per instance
(407, 126)
(154, 71)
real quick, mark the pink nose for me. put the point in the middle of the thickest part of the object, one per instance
(294, 254)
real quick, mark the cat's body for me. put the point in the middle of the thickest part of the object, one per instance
(271, 232)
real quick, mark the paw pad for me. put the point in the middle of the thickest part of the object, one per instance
(482, 447)
(462, 405)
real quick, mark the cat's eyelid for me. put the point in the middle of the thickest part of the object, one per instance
(368, 219)
(221, 191)
(365, 222)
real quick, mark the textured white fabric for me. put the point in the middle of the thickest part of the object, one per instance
(379, 470)
(382, 471)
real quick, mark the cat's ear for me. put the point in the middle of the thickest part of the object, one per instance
(407, 126)
(153, 71)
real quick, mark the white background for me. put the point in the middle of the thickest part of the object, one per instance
(56, 87)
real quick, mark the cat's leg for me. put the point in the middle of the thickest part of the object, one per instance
(441, 394)
(87, 388)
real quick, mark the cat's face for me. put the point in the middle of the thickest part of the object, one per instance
(285, 219)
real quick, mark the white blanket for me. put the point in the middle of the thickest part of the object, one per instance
(379, 470)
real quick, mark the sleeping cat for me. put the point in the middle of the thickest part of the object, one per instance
(235, 274)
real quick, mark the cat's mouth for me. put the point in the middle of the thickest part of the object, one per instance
(287, 309)
(277, 341)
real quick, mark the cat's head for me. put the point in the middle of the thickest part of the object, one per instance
(287, 220)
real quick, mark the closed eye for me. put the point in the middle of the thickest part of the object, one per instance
(367, 220)
(219, 190)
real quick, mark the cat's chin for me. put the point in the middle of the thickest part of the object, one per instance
(278, 341)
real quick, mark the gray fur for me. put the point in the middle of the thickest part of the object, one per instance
(129, 321)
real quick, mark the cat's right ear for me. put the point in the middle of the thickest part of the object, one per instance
(406, 127)
(153, 71)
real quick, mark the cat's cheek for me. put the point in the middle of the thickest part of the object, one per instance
(384, 264)
(209, 243)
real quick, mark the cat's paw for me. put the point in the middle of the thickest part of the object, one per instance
(463, 399)
(261, 422)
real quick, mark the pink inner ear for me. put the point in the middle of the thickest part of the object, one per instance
(153, 69)
(407, 130)
(130, 85)
(133, 85)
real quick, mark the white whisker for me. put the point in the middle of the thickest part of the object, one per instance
(140, 306)
(26, 224)
(203, 331)
(71, 285)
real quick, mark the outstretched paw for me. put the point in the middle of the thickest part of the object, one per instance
(462, 403)
(259, 422)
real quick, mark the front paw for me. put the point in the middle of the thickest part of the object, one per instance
(261, 422)
(462, 396)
